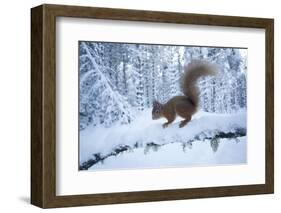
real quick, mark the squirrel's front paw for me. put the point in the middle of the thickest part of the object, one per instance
(165, 125)
(183, 123)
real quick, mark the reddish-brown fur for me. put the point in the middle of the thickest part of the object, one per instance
(184, 106)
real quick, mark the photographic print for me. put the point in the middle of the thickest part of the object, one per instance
(110, 97)
(147, 106)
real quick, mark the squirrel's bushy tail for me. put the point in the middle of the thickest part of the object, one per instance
(192, 72)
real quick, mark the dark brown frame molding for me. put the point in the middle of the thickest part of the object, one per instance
(43, 105)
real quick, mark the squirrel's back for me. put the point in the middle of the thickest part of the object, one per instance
(192, 72)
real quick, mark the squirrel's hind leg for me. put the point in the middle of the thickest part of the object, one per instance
(184, 110)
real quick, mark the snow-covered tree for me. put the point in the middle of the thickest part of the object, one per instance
(100, 103)
(118, 79)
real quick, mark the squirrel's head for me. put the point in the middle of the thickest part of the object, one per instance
(157, 110)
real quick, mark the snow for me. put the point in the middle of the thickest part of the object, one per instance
(173, 155)
(143, 130)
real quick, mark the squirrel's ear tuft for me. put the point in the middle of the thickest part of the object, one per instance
(156, 103)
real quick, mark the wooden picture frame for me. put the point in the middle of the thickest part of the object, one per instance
(43, 105)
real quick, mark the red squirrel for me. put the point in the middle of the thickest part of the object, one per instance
(184, 106)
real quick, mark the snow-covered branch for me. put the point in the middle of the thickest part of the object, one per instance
(214, 140)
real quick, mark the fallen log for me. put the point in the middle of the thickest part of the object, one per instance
(213, 136)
